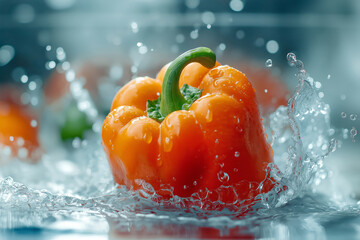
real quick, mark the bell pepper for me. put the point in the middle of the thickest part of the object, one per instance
(188, 139)
(19, 131)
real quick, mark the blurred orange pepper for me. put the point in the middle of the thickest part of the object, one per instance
(18, 130)
(187, 142)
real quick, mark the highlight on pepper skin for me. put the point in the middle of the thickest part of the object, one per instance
(191, 144)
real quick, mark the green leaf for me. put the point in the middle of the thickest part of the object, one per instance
(190, 94)
(153, 110)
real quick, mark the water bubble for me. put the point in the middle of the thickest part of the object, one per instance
(24, 13)
(324, 147)
(6, 151)
(134, 27)
(20, 141)
(34, 100)
(180, 38)
(32, 86)
(143, 49)
(208, 18)
(65, 66)
(322, 174)
(134, 69)
(343, 114)
(7, 53)
(96, 127)
(265, 90)
(291, 57)
(48, 48)
(321, 95)
(223, 176)
(318, 85)
(22, 153)
(353, 117)
(60, 54)
(84, 105)
(192, 3)
(331, 131)
(222, 46)
(328, 76)
(208, 26)
(272, 46)
(50, 65)
(194, 34)
(353, 132)
(76, 143)
(240, 34)
(333, 145)
(33, 123)
(236, 5)
(24, 79)
(237, 154)
(70, 76)
(268, 63)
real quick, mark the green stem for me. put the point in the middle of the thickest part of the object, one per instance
(171, 97)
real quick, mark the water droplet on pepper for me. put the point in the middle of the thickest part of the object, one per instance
(167, 145)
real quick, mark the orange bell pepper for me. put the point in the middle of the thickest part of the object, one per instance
(19, 131)
(183, 141)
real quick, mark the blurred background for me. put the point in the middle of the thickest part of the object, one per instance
(49, 49)
(62, 61)
(133, 38)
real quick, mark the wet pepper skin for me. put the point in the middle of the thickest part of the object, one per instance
(218, 141)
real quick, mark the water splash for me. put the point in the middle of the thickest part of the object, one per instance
(300, 141)
(82, 181)
(268, 63)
